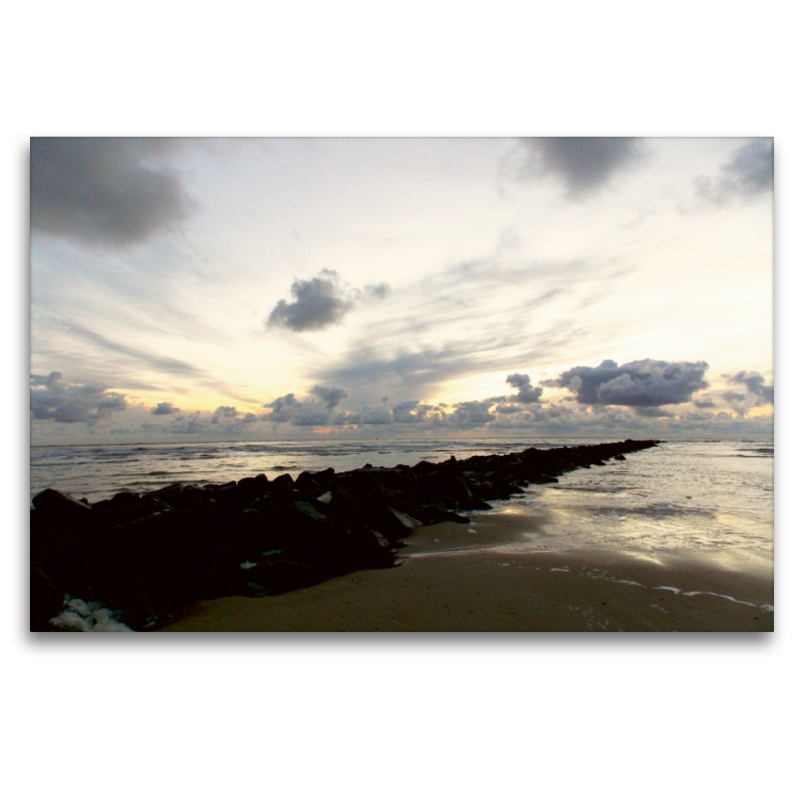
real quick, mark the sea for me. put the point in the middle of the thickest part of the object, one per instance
(703, 497)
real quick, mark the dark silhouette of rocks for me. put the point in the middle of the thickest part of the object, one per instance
(148, 556)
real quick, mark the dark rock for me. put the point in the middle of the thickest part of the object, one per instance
(146, 507)
(46, 600)
(52, 504)
(307, 485)
(118, 502)
(250, 488)
(283, 484)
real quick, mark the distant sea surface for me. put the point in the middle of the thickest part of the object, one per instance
(702, 496)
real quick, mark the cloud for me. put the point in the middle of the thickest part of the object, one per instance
(54, 399)
(749, 172)
(306, 412)
(104, 191)
(376, 416)
(376, 291)
(310, 414)
(637, 383)
(223, 412)
(330, 395)
(511, 409)
(733, 397)
(471, 414)
(526, 393)
(654, 413)
(161, 363)
(282, 408)
(474, 317)
(320, 302)
(163, 409)
(705, 402)
(370, 373)
(585, 164)
(409, 412)
(755, 386)
(190, 426)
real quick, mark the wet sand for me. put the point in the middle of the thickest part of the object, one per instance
(485, 577)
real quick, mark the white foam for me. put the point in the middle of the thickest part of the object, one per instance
(248, 565)
(629, 583)
(471, 530)
(559, 569)
(86, 617)
(668, 589)
(79, 607)
(70, 621)
(723, 596)
(768, 607)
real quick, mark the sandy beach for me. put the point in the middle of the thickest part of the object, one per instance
(500, 573)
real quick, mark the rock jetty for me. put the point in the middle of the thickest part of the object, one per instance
(148, 556)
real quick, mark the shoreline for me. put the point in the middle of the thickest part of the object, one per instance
(452, 580)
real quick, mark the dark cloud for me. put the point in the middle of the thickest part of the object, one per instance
(755, 386)
(223, 413)
(105, 190)
(526, 393)
(705, 402)
(654, 413)
(410, 412)
(54, 399)
(320, 302)
(282, 409)
(507, 409)
(330, 395)
(733, 397)
(379, 415)
(637, 383)
(163, 409)
(473, 413)
(190, 426)
(310, 414)
(306, 412)
(749, 172)
(317, 304)
(585, 164)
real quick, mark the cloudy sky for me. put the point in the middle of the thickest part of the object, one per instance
(199, 289)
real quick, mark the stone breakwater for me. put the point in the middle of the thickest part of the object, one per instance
(148, 556)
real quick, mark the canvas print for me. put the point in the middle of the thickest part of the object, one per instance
(401, 384)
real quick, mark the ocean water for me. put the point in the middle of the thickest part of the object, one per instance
(704, 496)
(98, 471)
(698, 497)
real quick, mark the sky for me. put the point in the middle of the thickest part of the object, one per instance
(218, 289)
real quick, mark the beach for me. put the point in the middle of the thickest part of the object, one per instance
(489, 576)
(670, 537)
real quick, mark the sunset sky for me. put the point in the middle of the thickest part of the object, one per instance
(199, 289)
